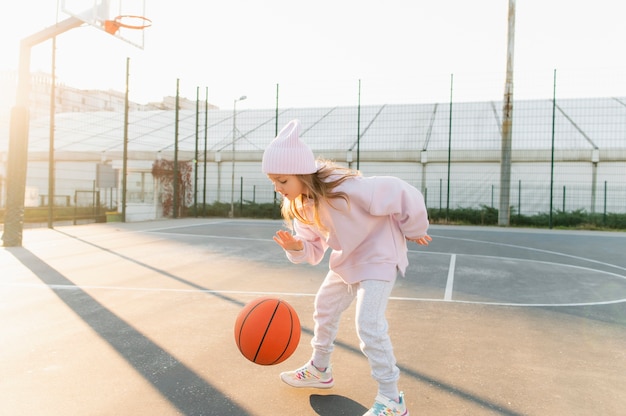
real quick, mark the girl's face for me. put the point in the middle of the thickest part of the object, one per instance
(289, 186)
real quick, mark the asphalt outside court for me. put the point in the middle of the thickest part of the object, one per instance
(137, 319)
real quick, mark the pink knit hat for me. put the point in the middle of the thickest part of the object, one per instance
(287, 154)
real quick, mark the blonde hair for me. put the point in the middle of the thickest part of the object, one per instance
(320, 187)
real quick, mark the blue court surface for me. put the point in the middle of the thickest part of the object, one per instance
(137, 319)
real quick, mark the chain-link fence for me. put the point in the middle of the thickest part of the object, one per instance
(568, 154)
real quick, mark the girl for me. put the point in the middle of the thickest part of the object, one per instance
(365, 222)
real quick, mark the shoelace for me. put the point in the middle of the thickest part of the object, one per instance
(304, 373)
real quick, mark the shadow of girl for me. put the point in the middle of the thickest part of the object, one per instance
(335, 405)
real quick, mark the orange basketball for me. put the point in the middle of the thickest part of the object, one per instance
(267, 331)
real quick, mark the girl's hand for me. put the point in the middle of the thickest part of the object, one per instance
(423, 241)
(287, 241)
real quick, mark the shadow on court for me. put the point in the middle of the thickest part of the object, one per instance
(180, 385)
(334, 405)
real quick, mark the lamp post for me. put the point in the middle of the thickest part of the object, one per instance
(231, 214)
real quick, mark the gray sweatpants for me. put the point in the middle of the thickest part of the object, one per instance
(333, 297)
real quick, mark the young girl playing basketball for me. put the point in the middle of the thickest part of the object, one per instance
(365, 222)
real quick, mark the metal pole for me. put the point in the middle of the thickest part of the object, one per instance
(125, 157)
(358, 131)
(552, 149)
(195, 159)
(240, 195)
(175, 173)
(206, 126)
(504, 214)
(440, 195)
(51, 189)
(519, 198)
(276, 121)
(449, 146)
(231, 214)
(604, 209)
(595, 157)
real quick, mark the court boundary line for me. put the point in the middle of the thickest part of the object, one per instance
(295, 294)
(215, 237)
(450, 281)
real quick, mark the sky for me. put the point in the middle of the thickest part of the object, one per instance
(307, 54)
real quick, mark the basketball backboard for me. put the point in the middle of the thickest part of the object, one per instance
(124, 19)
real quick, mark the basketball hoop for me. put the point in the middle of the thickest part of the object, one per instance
(126, 21)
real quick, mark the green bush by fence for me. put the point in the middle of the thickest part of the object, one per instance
(483, 216)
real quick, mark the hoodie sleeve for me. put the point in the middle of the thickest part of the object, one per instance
(395, 197)
(314, 245)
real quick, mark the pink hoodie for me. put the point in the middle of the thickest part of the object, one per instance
(368, 238)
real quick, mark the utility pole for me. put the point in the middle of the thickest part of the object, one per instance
(504, 213)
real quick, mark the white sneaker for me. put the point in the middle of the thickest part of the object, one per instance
(309, 376)
(387, 407)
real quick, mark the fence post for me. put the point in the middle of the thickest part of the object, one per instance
(240, 195)
(75, 207)
(206, 126)
(552, 149)
(51, 164)
(449, 146)
(440, 194)
(358, 130)
(196, 154)
(604, 214)
(125, 150)
(175, 178)
(274, 206)
(519, 199)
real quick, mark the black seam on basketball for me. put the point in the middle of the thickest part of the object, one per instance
(269, 324)
(243, 324)
(290, 332)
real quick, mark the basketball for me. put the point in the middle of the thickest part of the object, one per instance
(267, 331)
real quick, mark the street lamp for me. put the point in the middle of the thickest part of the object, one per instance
(231, 214)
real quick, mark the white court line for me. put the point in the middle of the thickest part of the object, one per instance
(450, 281)
(173, 227)
(218, 237)
(150, 289)
(525, 305)
(294, 294)
(215, 222)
